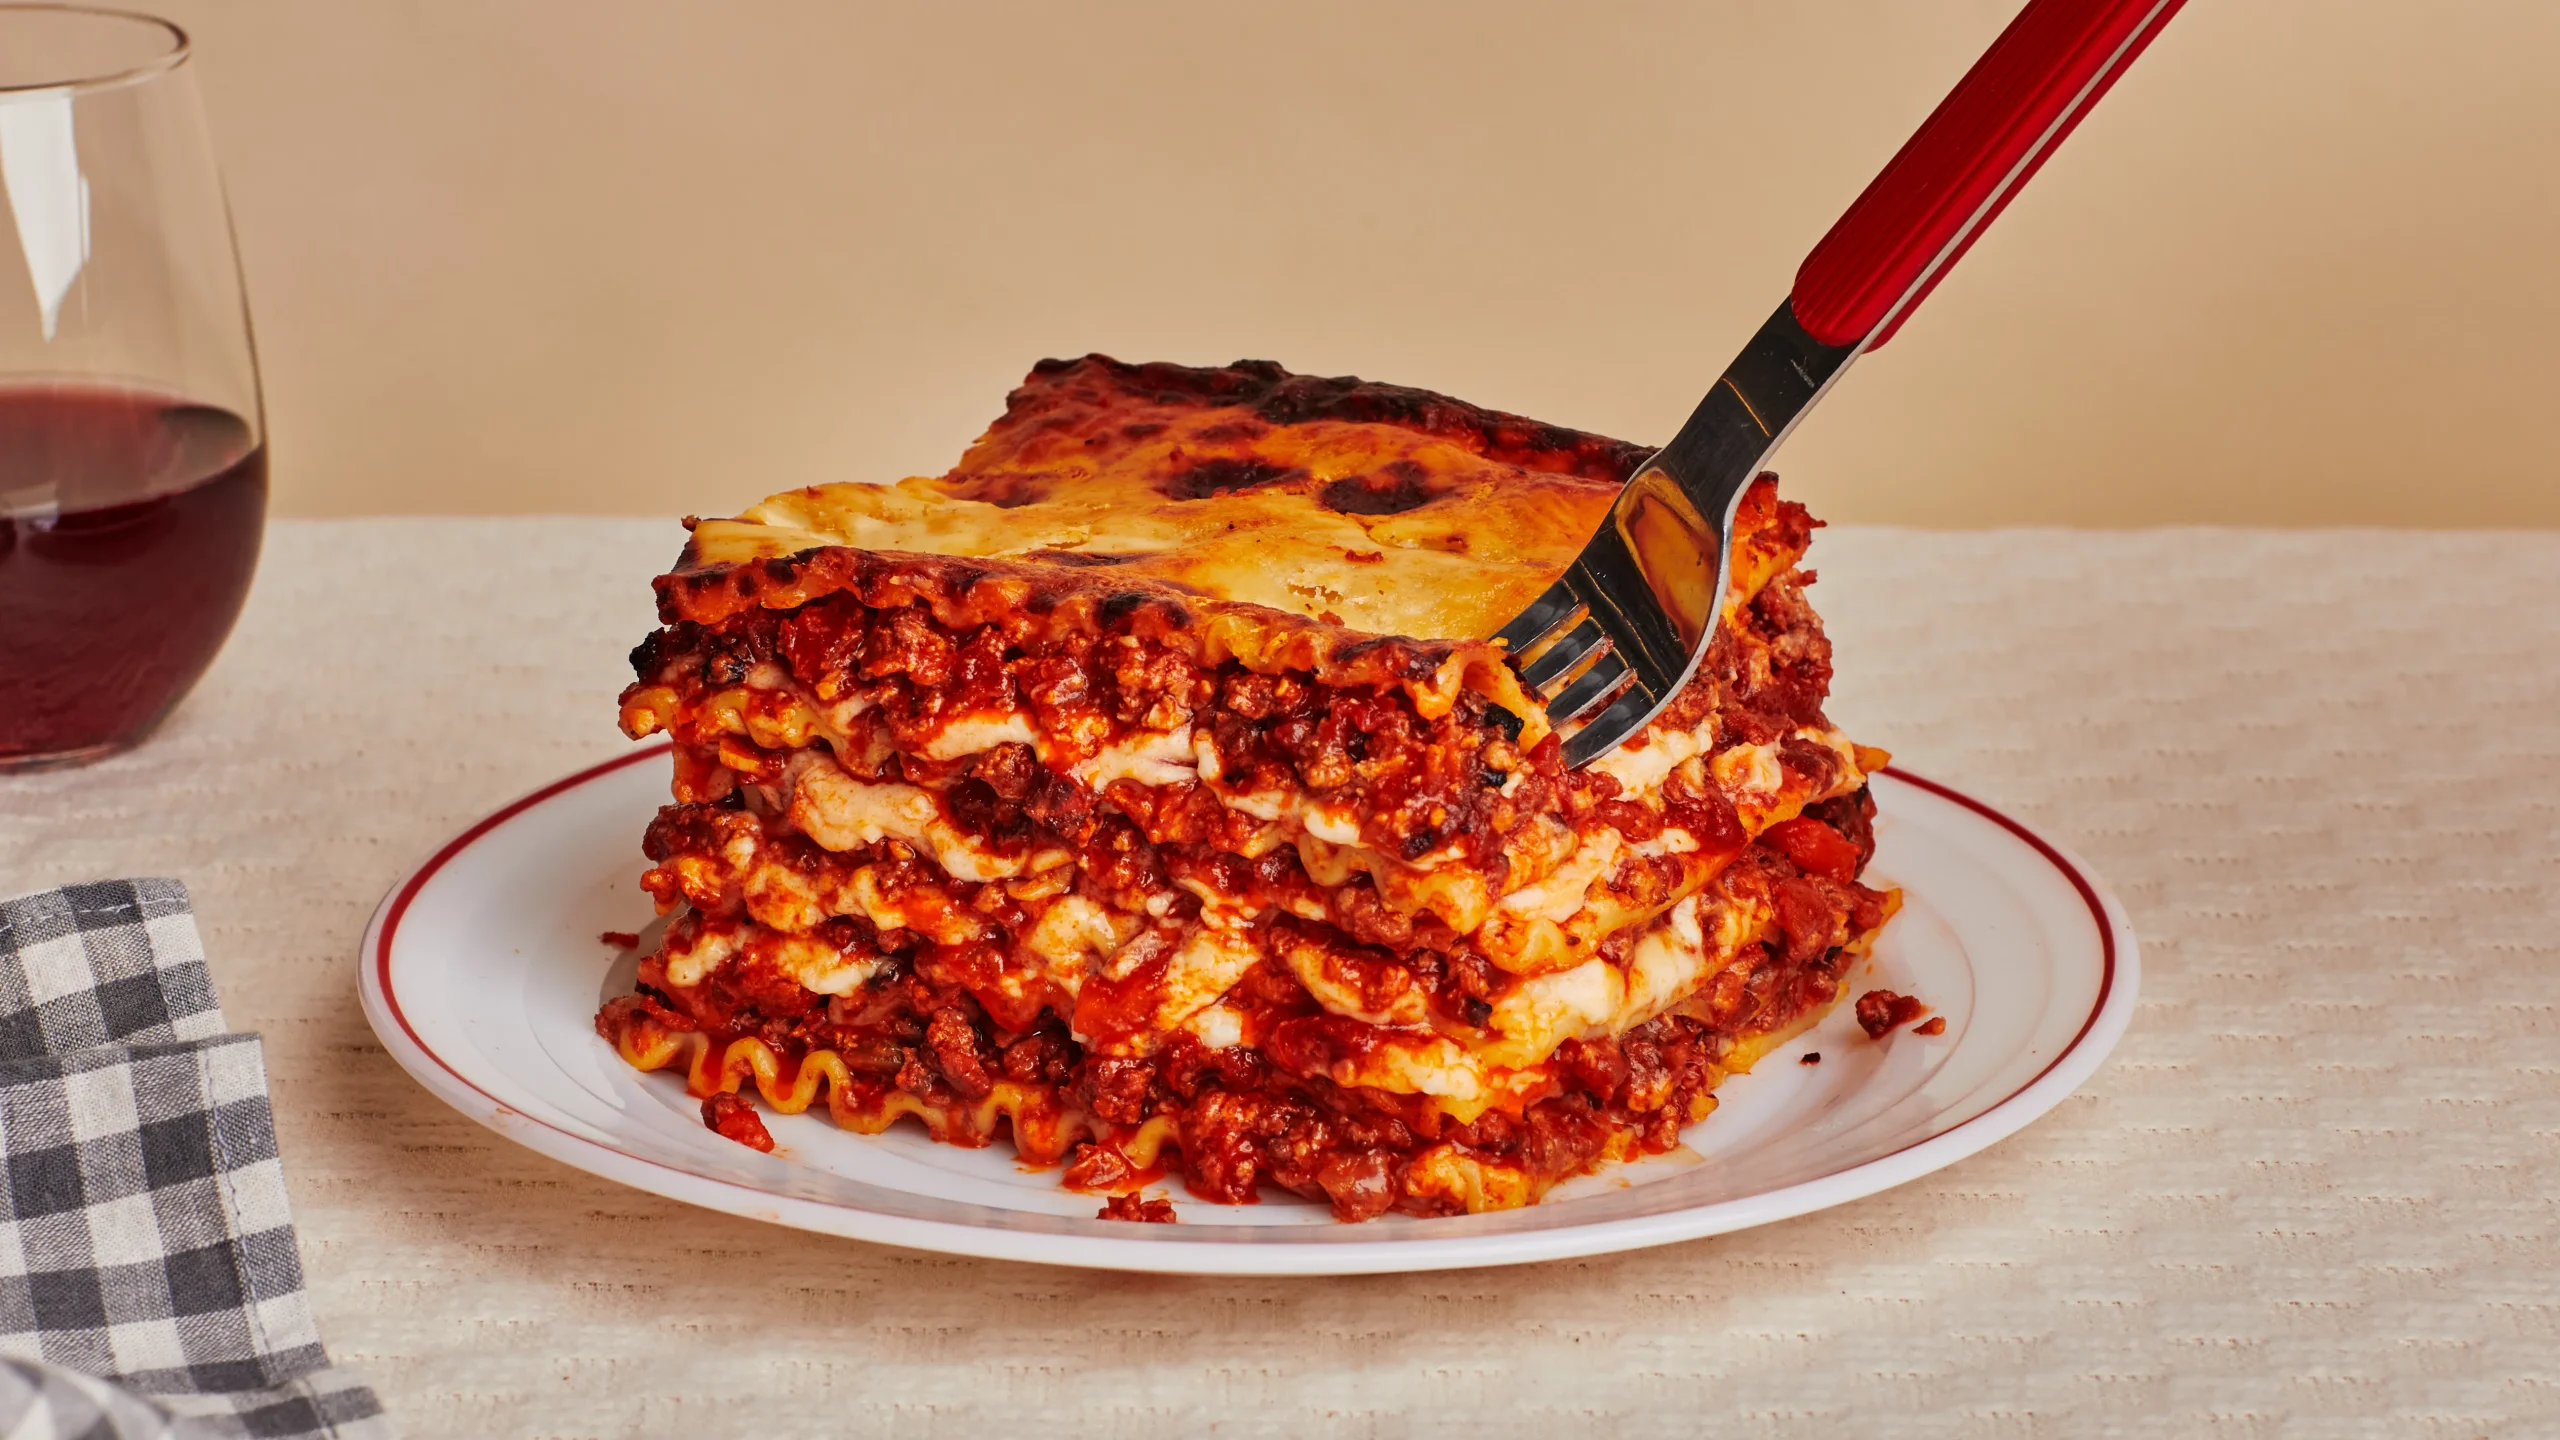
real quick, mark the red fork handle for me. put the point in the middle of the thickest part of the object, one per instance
(1967, 159)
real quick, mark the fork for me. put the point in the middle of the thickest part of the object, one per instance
(1617, 637)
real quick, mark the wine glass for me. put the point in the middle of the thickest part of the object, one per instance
(133, 472)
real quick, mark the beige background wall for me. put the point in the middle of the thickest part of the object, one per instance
(516, 255)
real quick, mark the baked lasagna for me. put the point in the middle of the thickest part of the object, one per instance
(1137, 792)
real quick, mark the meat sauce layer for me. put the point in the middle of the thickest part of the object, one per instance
(1235, 1118)
(919, 1039)
(730, 869)
(895, 685)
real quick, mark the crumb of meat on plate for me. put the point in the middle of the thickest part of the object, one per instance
(1881, 1011)
(1132, 1207)
(732, 1116)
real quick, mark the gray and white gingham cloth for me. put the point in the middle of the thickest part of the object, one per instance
(149, 1282)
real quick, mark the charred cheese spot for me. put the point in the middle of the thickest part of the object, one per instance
(1397, 487)
(1080, 559)
(1222, 475)
(1007, 492)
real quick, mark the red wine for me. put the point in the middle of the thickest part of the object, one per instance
(129, 525)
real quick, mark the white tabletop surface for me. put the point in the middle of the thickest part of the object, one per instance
(2313, 1193)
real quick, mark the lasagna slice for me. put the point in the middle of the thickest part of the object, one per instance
(1135, 791)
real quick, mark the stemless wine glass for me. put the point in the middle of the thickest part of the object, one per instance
(133, 473)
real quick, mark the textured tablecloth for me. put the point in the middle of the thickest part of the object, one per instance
(2313, 1193)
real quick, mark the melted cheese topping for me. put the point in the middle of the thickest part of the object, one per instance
(1392, 526)
(1455, 566)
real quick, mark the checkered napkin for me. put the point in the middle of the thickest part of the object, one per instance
(149, 1284)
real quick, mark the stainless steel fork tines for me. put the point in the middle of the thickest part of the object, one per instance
(1613, 640)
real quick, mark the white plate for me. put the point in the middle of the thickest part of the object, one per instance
(482, 972)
